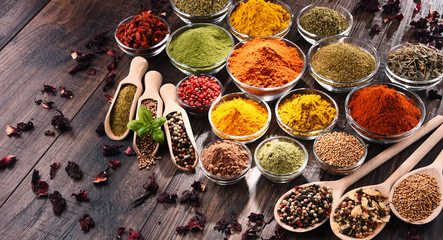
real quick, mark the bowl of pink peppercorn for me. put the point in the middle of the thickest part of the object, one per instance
(196, 93)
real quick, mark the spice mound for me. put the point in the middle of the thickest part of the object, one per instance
(343, 62)
(182, 148)
(306, 206)
(259, 18)
(225, 159)
(143, 31)
(280, 157)
(201, 7)
(239, 117)
(146, 144)
(416, 197)
(119, 117)
(360, 213)
(265, 63)
(416, 62)
(323, 21)
(383, 110)
(339, 149)
(306, 112)
(198, 90)
(201, 46)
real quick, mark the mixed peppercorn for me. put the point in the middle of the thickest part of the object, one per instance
(182, 148)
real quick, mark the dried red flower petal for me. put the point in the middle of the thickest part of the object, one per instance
(182, 230)
(371, 5)
(66, 93)
(58, 202)
(12, 131)
(60, 122)
(49, 133)
(86, 222)
(111, 52)
(47, 105)
(133, 235)
(92, 71)
(190, 197)
(25, 126)
(113, 64)
(417, 7)
(100, 130)
(433, 16)
(75, 54)
(421, 23)
(6, 161)
(120, 231)
(73, 170)
(102, 176)
(85, 56)
(82, 196)
(256, 218)
(109, 81)
(196, 223)
(392, 7)
(198, 186)
(49, 89)
(375, 29)
(111, 150)
(97, 40)
(167, 198)
(54, 166)
(42, 188)
(433, 94)
(221, 225)
(113, 163)
(151, 189)
(34, 180)
(129, 152)
(278, 234)
(108, 98)
(79, 67)
(235, 225)
(397, 17)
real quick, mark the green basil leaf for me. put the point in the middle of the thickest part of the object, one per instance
(158, 122)
(158, 135)
(143, 131)
(144, 115)
(134, 125)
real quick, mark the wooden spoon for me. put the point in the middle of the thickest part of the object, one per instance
(385, 187)
(138, 67)
(153, 81)
(167, 92)
(339, 186)
(434, 170)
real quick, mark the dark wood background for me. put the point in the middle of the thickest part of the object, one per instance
(36, 38)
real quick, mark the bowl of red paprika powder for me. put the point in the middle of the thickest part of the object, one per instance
(384, 113)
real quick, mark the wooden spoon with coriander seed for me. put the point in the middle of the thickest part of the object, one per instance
(383, 189)
(434, 170)
(114, 122)
(338, 187)
(167, 93)
(153, 81)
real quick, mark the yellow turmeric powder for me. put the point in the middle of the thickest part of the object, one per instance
(239, 117)
(259, 18)
(306, 112)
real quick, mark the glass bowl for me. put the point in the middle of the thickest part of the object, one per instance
(380, 138)
(212, 18)
(340, 170)
(281, 178)
(197, 110)
(335, 86)
(312, 38)
(303, 135)
(142, 52)
(244, 139)
(225, 180)
(241, 36)
(268, 94)
(410, 84)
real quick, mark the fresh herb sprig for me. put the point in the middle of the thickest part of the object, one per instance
(146, 125)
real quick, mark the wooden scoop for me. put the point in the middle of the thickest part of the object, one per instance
(338, 187)
(138, 67)
(385, 187)
(153, 81)
(434, 170)
(167, 92)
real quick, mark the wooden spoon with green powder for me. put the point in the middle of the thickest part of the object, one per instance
(124, 103)
(338, 187)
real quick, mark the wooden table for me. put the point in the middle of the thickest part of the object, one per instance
(36, 38)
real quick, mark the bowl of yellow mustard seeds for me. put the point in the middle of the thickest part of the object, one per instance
(253, 18)
(306, 113)
(239, 116)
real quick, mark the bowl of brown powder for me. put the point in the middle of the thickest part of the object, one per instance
(225, 162)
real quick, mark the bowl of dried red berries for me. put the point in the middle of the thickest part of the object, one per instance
(143, 35)
(196, 93)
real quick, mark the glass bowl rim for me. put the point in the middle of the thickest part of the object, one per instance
(198, 75)
(189, 16)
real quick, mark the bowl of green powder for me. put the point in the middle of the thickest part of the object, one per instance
(281, 159)
(202, 11)
(320, 20)
(199, 48)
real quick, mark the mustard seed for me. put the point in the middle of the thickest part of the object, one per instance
(339, 149)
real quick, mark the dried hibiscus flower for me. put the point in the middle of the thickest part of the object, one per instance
(100, 130)
(49, 89)
(25, 126)
(6, 161)
(108, 98)
(102, 176)
(375, 29)
(120, 231)
(417, 7)
(260, 224)
(86, 222)
(228, 226)
(197, 223)
(49, 133)
(133, 235)
(12, 131)
(60, 122)
(129, 152)
(73, 170)
(92, 71)
(97, 40)
(397, 17)
(151, 188)
(114, 163)
(433, 16)
(371, 5)
(109, 81)
(111, 52)
(113, 64)
(39, 187)
(66, 93)
(82, 196)
(34, 180)
(198, 186)
(433, 94)
(111, 150)
(167, 198)
(392, 7)
(58, 202)
(79, 67)
(54, 166)
(190, 197)
(421, 23)
(47, 104)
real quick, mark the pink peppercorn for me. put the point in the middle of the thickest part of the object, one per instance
(198, 90)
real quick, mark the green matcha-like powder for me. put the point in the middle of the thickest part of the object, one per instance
(280, 157)
(200, 47)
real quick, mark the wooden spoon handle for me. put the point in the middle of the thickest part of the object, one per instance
(438, 162)
(138, 67)
(167, 92)
(153, 81)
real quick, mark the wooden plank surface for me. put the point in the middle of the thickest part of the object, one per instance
(53, 33)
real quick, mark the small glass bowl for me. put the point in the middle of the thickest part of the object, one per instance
(212, 18)
(142, 52)
(335, 86)
(244, 139)
(381, 138)
(407, 83)
(197, 110)
(312, 38)
(302, 134)
(225, 180)
(281, 178)
(268, 94)
(241, 36)
(340, 170)
(211, 69)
